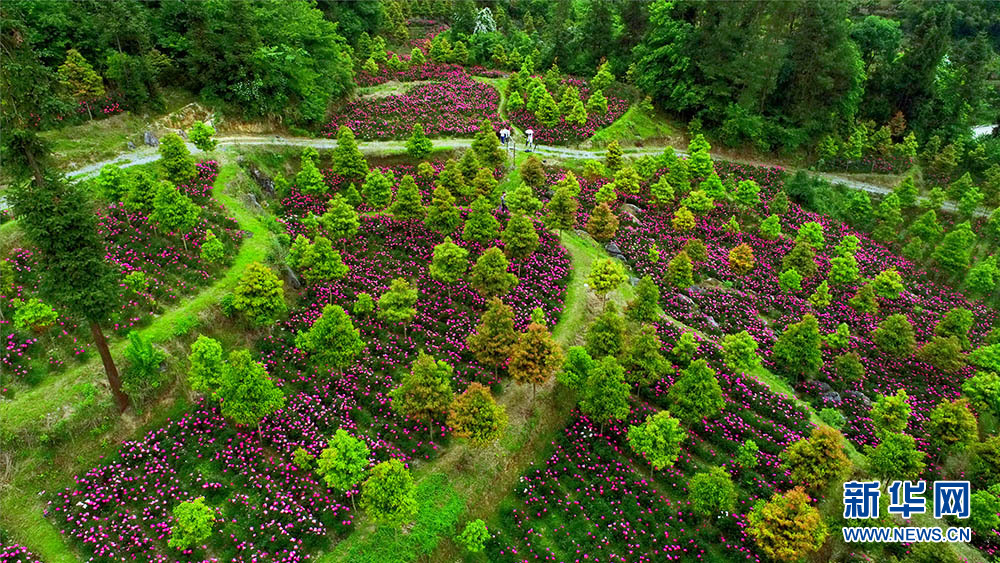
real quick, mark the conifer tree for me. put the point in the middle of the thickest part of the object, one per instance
(532, 173)
(418, 145)
(321, 263)
(80, 79)
(452, 178)
(481, 226)
(679, 272)
(332, 340)
(176, 161)
(424, 394)
(469, 166)
(683, 220)
(476, 416)
(645, 307)
(955, 250)
(662, 192)
(347, 159)
(486, 145)
(787, 527)
(483, 184)
(605, 275)
(246, 392)
(561, 210)
(613, 157)
(700, 161)
(741, 259)
(343, 462)
(259, 295)
(864, 300)
(377, 189)
(340, 220)
(643, 362)
(696, 394)
(658, 439)
(396, 305)
(490, 276)
(408, 205)
(802, 259)
(449, 263)
(174, 211)
(606, 335)
(206, 363)
(605, 394)
(494, 337)
(798, 349)
(522, 200)
(536, 357)
(602, 224)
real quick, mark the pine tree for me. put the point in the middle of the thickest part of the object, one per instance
(605, 275)
(425, 393)
(396, 305)
(418, 145)
(606, 335)
(476, 416)
(321, 263)
(532, 173)
(798, 349)
(535, 357)
(486, 145)
(522, 200)
(561, 210)
(802, 259)
(864, 300)
(605, 394)
(696, 394)
(548, 112)
(332, 340)
(613, 157)
(449, 262)
(700, 160)
(246, 392)
(80, 79)
(490, 276)
(679, 178)
(770, 228)
(481, 226)
(494, 337)
(643, 362)
(821, 297)
(679, 272)
(201, 136)
(844, 271)
(347, 159)
(645, 307)
(483, 184)
(817, 461)
(520, 238)
(787, 527)
(627, 179)
(602, 224)
(176, 161)
(469, 166)
(577, 114)
(926, 228)
(740, 351)
(662, 192)
(340, 220)
(955, 250)
(377, 189)
(452, 178)
(408, 205)
(174, 211)
(683, 220)
(442, 215)
(259, 295)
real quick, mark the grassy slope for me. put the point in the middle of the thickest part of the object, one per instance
(20, 509)
(637, 126)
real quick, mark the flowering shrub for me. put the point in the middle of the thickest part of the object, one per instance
(134, 245)
(565, 132)
(14, 553)
(454, 106)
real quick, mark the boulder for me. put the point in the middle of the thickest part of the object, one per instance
(824, 387)
(150, 139)
(633, 280)
(131, 146)
(612, 248)
(712, 324)
(685, 300)
(859, 396)
(831, 397)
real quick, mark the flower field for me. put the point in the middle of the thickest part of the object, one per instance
(155, 268)
(565, 132)
(455, 104)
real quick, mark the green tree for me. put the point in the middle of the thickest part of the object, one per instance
(645, 306)
(891, 413)
(662, 192)
(955, 250)
(442, 215)
(193, 524)
(206, 361)
(790, 281)
(80, 80)
(679, 272)
(347, 159)
(332, 340)
(956, 322)
(474, 536)
(174, 211)
(377, 189)
(520, 239)
(864, 300)
(490, 276)
(449, 262)
(397, 304)
(817, 461)
(259, 295)
(700, 161)
(424, 394)
(561, 210)
(895, 457)
(343, 462)
(888, 284)
(983, 391)
(605, 394)
(340, 220)
(943, 353)
(494, 338)
(747, 454)
(952, 424)
(536, 357)
(532, 173)
(844, 271)
(802, 259)
(787, 527)
(712, 492)
(486, 145)
(408, 205)
(606, 335)
(798, 349)
(201, 136)
(741, 259)
(605, 276)
(613, 156)
(696, 394)
(602, 223)
(57, 218)
(418, 145)
(176, 161)
(740, 351)
(476, 416)
(770, 228)
(212, 250)
(894, 336)
(388, 494)
(481, 226)
(657, 440)
(698, 202)
(643, 362)
(246, 392)
(821, 298)
(685, 348)
(812, 233)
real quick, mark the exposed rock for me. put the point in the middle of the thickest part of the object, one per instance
(292, 278)
(831, 397)
(252, 202)
(859, 396)
(265, 182)
(150, 139)
(631, 209)
(712, 325)
(633, 280)
(824, 387)
(612, 248)
(131, 146)
(680, 297)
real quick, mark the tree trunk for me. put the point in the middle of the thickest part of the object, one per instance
(114, 380)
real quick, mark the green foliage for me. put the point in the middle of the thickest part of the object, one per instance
(387, 495)
(408, 205)
(712, 492)
(212, 250)
(480, 225)
(864, 300)
(685, 348)
(474, 536)
(476, 415)
(819, 460)
(259, 295)
(895, 457)
(643, 362)
(888, 284)
(955, 250)
(347, 158)
(748, 454)
(344, 461)
(363, 304)
(201, 136)
(698, 202)
(206, 361)
(658, 439)
(442, 215)
(246, 392)
(494, 338)
(787, 527)
(797, 350)
(812, 233)
(602, 223)
(983, 391)
(332, 340)
(956, 322)
(802, 259)
(490, 276)
(943, 353)
(561, 210)
(740, 351)
(696, 394)
(79, 78)
(193, 524)
(679, 271)
(645, 306)
(449, 262)
(606, 335)
(952, 424)
(174, 210)
(396, 305)
(894, 336)
(606, 275)
(821, 298)
(142, 370)
(34, 315)
(790, 281)
(605, 395)
(175, 160)
(424, 393)
(377, 189)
